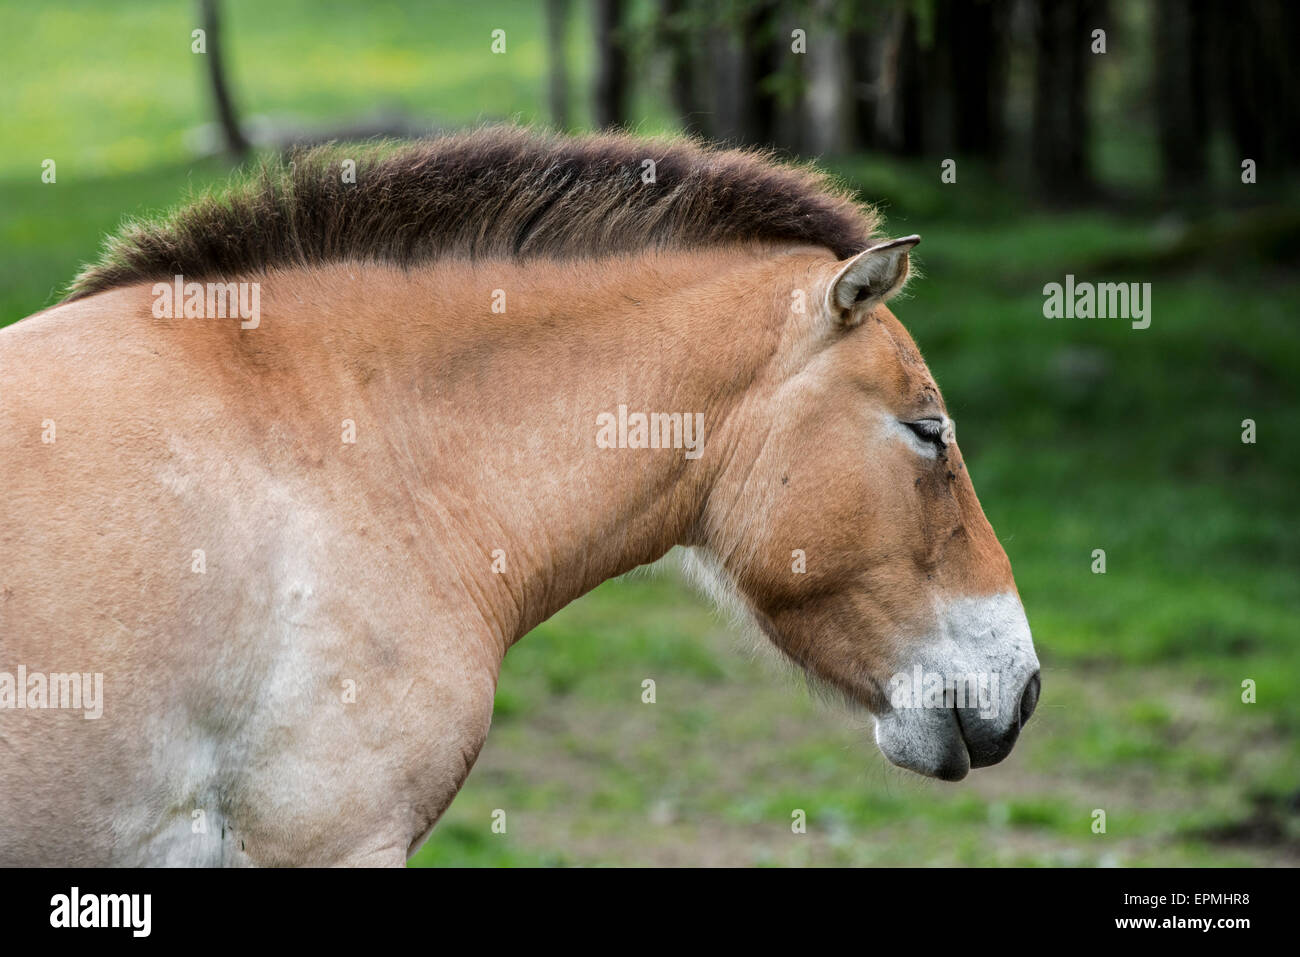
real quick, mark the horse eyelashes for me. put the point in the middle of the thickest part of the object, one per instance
(928, 430)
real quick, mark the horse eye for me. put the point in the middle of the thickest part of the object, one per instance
(928, 430)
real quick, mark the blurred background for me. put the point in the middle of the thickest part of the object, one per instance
(1113, 157)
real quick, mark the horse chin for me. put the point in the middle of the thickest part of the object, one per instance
(927, 742)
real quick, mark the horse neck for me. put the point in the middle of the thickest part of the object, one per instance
(497, 411)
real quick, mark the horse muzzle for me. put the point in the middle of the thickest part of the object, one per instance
(962, 699)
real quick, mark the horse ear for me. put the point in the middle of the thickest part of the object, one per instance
(869, 278)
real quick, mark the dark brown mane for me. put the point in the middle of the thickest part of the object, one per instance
(492, 193)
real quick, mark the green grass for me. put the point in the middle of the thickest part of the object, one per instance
(105, 108)
(1079, 434)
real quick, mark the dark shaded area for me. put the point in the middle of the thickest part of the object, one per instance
(1015, 84)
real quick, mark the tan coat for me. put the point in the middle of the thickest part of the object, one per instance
(300, 635)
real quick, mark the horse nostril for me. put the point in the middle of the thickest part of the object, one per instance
(1029, 700)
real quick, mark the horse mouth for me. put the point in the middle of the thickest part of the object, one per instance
(945, 743)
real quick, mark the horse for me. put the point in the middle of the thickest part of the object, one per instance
(487, 372)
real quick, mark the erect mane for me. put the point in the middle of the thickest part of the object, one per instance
(499, 192)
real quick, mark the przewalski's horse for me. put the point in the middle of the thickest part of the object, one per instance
(297, 542)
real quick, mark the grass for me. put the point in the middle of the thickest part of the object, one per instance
(1079, 434)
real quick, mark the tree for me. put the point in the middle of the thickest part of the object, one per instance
(909, 96)
(1180, 93)
(976, 30)
(557, 22)
(612, 73)
(1259, 79)
(863, 46)
(760, 61)
(1061, 131)
(236, 143)
(675, 31)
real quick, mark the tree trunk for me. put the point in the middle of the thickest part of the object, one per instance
(862, 47)
(1061, 130)
(557, 23)
(611, 92)
(1180, 93)
(936, 43)
(675, 38)
(824, 119)
(978, 29)
(759, 62)
(1260, 81)
(235, 142)
(909, 94)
